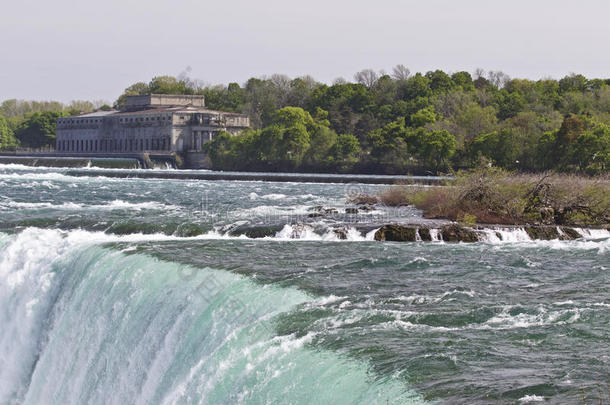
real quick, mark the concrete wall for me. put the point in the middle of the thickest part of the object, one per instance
(162, 100)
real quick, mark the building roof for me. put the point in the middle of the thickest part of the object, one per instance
(99, 113)
(176, 109)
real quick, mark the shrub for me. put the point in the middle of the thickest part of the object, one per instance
(492, 195)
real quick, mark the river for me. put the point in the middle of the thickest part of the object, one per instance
(141, 291)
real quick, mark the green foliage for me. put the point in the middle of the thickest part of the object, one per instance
(38, 129)
(502, 147)
(7, 140)
(592, 150)
(423, 117)
(492, 195)
(436, 148)
(389, 124)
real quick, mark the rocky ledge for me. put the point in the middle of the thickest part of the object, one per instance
(459, 233)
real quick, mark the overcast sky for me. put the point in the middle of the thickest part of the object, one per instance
(68, 49)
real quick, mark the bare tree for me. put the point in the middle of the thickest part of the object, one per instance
(339, 80)
(366, 77)
(98, 103)
(497, 78)
(478, 73)
(309, 81)
(401, 72)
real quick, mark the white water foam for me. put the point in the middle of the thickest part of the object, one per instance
(130, 329)
(112, 205)
(531, 398)
(504, 235)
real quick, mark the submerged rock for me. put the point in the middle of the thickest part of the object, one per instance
(351, 210)
(457, 233)
(396, 233)
(320, 211)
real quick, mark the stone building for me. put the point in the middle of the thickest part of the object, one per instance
(155, 123)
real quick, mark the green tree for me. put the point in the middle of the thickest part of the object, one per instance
(502, 147)
(423, 117)
(136, 89)
(592, 149)
(7, 140)
(440, 81)
(436, 147)
(38, 129)
(571, 128)
(473, 119)
(388, 145)
(168, 85)
(345, 152)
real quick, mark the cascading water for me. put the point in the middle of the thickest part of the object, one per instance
(84, 323)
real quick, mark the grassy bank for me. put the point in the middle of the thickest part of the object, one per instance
(492, 195)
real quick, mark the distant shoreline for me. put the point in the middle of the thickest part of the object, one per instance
(254, 176)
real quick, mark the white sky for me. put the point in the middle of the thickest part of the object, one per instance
(79, 49)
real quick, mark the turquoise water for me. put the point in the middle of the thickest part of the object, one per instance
(139, 291)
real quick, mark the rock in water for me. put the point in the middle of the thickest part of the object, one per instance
(341, 233)
(570, 233)
(542, 232)
(424, 234)
(457, 233)
(256, 231)
(552, 232)
(396, 233)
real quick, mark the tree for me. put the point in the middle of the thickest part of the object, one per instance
(366, 77)
(463, 80)
(168, 85)
(286, 141)
(571, 128)
(497, 78)
(592, 149)
(423, 117)
(38, 129)
(7, 140)
(400, 72)
(136, 89)
(436, 147)
(573, 82)
(473, 120)
(345, 152)
(416, 86)
(440, 81)
(509, 104)
(502, 147)
(388, 145)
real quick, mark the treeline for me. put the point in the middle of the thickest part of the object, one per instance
(31, 124)
(397, 123)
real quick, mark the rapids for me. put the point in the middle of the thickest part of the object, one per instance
(124, 290)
